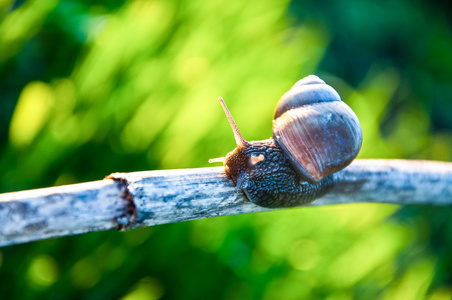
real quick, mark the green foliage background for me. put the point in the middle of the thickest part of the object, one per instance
(88, 88)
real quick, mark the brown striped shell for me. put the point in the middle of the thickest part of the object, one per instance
(318, 132)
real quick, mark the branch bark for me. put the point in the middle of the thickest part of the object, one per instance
(132, 200)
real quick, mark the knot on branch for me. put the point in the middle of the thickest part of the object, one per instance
(129, 216)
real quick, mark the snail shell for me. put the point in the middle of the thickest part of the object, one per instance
(317, 131)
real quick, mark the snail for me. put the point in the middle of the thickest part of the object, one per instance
(315, 134)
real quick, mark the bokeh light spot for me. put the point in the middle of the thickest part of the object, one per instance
(43, 272)
(147, 288)
(31, 113)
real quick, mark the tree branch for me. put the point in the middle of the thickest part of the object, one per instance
(132, 200)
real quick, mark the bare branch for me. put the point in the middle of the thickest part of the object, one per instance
(131, 200)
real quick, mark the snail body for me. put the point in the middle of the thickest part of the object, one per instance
(315, 134)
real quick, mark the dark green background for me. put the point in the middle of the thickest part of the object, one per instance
(88, 88)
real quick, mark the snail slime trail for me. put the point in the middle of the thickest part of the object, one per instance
(315, 134)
